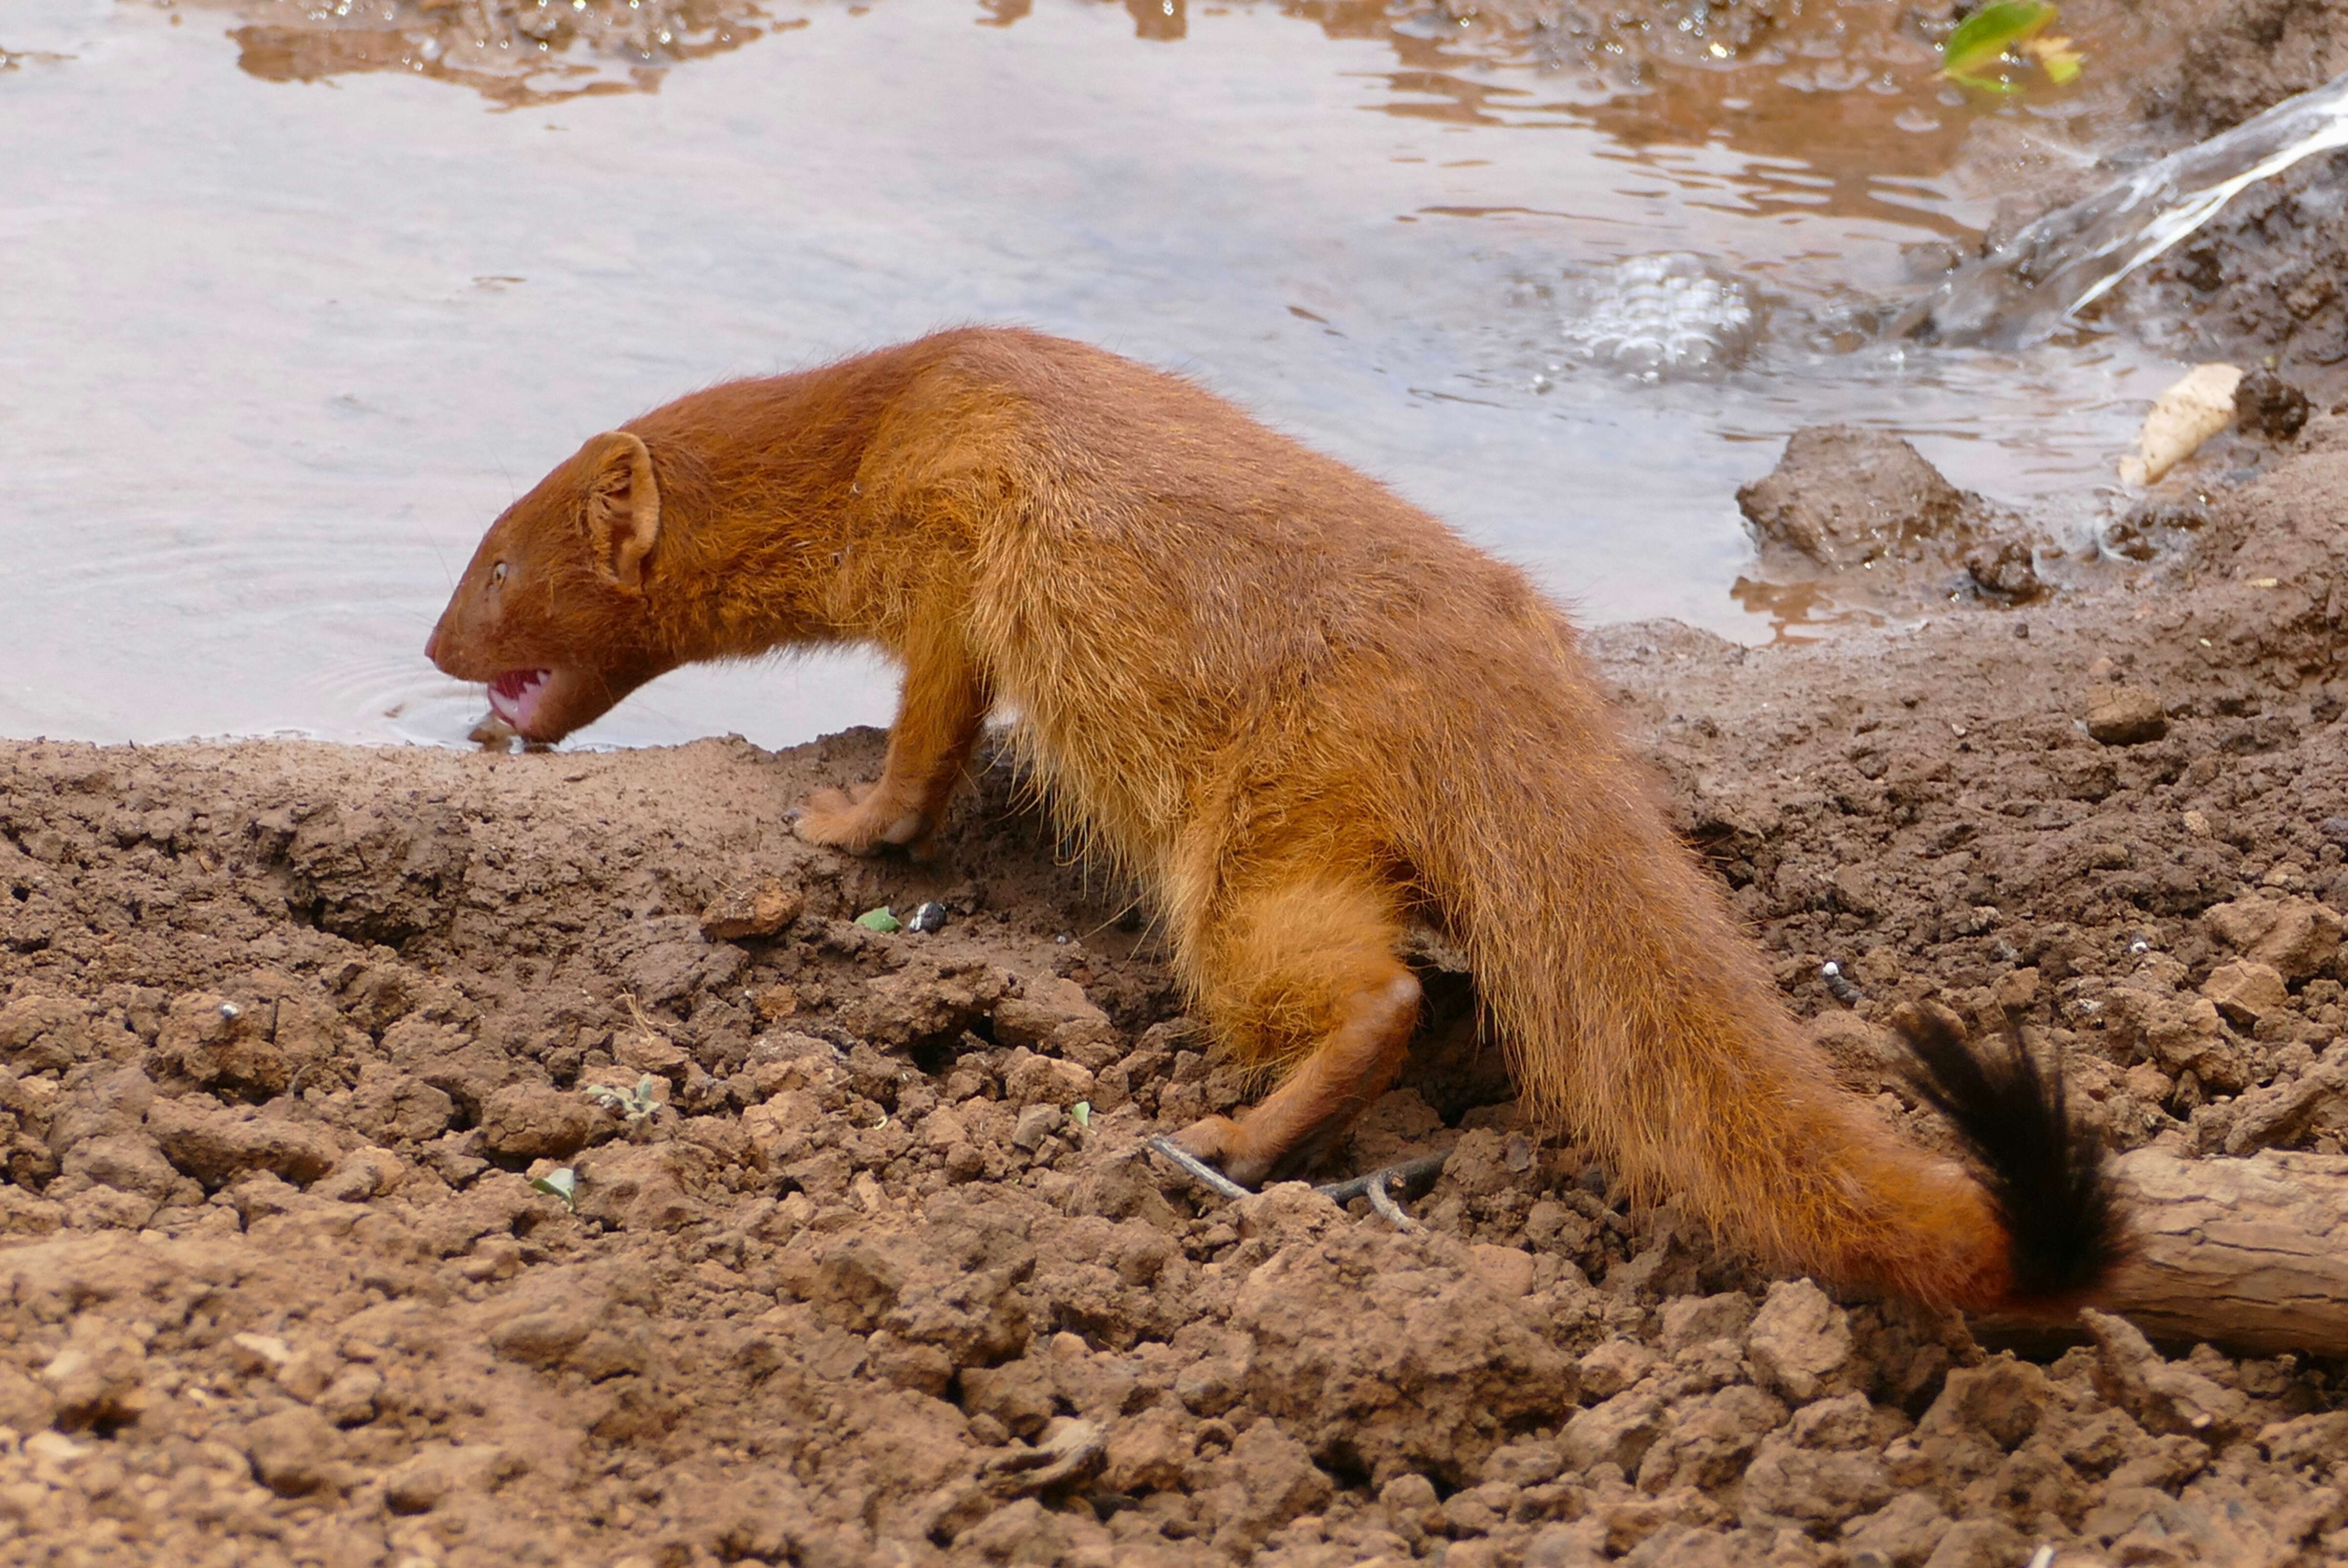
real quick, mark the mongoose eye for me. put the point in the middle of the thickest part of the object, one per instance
(498, 573)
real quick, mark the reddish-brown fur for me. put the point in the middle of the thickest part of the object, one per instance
(1304, 711)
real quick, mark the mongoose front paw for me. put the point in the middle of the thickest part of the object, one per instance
(863, 824)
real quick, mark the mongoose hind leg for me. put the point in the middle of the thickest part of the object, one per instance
(939, 717)
(1305, 974)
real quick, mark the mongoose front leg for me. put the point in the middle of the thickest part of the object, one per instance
(939, 717)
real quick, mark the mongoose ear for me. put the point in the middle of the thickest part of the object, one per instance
(622, 514)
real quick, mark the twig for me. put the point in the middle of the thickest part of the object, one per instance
(1382, 1201)
(1409, 1173)
(1201, 1172)
(1374, 1186)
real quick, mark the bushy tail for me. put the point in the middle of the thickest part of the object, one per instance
(1637, 1017)
(2042, 1169)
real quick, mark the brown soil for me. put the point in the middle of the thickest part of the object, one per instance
(288, 1030)
(846, 1275)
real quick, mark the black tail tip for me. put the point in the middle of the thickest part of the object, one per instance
(2043, 1170)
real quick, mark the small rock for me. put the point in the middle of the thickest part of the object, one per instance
(1210, 1387)
(437, 1472)
(100, 1376)
(2297, 936)
(1036, 1123)
(294, 1451)
(350, 1399)
(2276, 1115)
(1798, 1342)
(1049, 1010)
(2246, 992)
(128, 1162)
(1616, 1431)
(215, 1145)
(2005, 568)
(636, 1187)
(222, 1046)
(760, 909)
(1035, 1081)
(1614, 1366)
(1146, 1452)
(538, 1121)
(263, 1353)
(362, 1174)
(2125, 716)
(2264, 402)
(1508, 1271)
(1692, 1319)
(2003, 1400)
(1843, 496)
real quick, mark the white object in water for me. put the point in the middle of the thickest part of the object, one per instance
(2188, 413)
(1657, 316)
(2040, 279)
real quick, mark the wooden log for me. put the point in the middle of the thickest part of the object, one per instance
(2250, 1254)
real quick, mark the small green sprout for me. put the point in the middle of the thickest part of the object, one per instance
(883, 919)
(562, 1183)
(638, 1104)
(2004, 31)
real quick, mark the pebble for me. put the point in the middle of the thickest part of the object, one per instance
(2246, 992)
(2125, 716)
(1035, 1123)
(762, 909)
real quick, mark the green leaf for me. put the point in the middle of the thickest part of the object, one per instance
(882, 919)
(562, 1184)
(1985, 84)
(1982, 38)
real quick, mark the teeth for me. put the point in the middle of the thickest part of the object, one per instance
(511, 694)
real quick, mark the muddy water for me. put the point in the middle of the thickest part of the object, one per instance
(272, 350)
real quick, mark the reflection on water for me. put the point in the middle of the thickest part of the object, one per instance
(513, 52)
(1799, 612)
(276, 346)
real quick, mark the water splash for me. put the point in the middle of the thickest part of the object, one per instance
(2038, 282)
(1659, 316)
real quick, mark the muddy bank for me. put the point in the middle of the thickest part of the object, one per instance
(844, 1251)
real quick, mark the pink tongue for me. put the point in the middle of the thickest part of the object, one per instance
(513, 695)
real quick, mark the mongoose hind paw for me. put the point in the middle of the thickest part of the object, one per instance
(1222, 1142)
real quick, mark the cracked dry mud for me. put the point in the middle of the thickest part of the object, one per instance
(287, 1030)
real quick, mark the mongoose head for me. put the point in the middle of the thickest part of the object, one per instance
(552, 611)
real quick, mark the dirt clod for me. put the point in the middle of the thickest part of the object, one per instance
(2125, 716)
(761, 909)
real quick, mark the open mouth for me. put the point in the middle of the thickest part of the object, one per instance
(514, 696)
